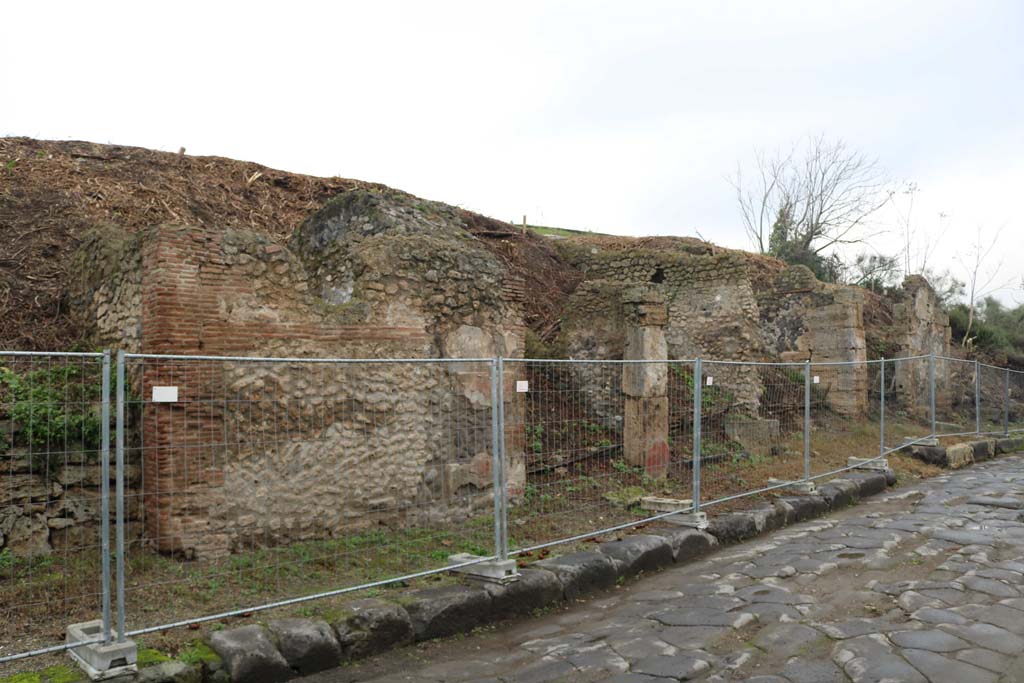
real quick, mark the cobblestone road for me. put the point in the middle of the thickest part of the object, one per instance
(925, 583)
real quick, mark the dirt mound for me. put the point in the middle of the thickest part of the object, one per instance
(51, 192)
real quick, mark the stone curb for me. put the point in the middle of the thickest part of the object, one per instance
(960, 455)
(290, 647)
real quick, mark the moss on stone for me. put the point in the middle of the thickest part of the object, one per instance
(149, 657)
(199, 653)
(58, 673)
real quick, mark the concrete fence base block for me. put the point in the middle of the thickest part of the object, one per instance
(489, 571)
(879, 464)
(802, 487)
(101, 661)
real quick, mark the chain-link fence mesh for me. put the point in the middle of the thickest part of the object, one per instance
(844, 421)
(955, 399)
(993, 384)
(1015, 401)
(596, 438)
(257, 483)
(252, 482)
(54, 426)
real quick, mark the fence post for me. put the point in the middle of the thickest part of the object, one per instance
(698, 381)
(119, 474)
(931, 391)
(105, 491)
(502, 463)
(1006, 404)
(881, 411)
(807, 420)
(496, 458)
(977, 397)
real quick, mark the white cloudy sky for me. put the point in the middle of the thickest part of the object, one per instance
(622, 117)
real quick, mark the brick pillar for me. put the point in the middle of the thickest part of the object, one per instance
(645, 385)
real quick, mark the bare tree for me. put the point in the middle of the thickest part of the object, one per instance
(811, 199)
(980, 276)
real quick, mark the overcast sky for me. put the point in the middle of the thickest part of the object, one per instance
(623, 117)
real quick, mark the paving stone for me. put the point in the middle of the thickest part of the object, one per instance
(932, 640)
(941, 669)
(932, 615)
(677, 667)
(987, 636)
(786, 639)
(803, 670)
(693, 637)
(869, 659)
(989, 586)
(986, 659)
(636, 678)
(640, 553)
(542, 672)
(636, 647)
(702, 616)
(598, 658)
(1002, 616)
(991, 501)
(766, 593)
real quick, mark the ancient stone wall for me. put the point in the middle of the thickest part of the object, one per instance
(42, 512)
(805, 319)
(271, 452)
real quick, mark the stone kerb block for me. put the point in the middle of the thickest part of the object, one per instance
(250, 655)
(959, 455)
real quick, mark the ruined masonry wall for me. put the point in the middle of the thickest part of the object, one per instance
(264, 453)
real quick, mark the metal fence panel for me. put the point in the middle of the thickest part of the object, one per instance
(955, 398)
(908, 399)
(1015, 401)
(845, 414)
(250, 483)
(752, 427)
(593, 445)
(253, 483)
(54, 521)
(993, 384)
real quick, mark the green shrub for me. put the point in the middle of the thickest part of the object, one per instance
(57, 409)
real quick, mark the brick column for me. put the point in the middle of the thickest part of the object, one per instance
(645, 385)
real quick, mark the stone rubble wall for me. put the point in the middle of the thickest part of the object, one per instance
(269, 453)
(43, 513)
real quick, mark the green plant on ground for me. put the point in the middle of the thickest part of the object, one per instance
(149, 657)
